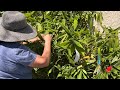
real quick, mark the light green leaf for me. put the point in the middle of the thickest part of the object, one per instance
(84, 71)
(64, 37)
(75, 23)
(83, 41)
(59, 75)
(73, 71)
(35, 69)
(63, 22)
(61, 36)
(58, 67)
(50, 71)
(47, 12)
(76, 72)
(39, 27)
(79, 76)
(79, 67)
(84, 76)
(90, 61)
(114, 59)
(64, 45)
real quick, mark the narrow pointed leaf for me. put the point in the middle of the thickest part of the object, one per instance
(75, 23)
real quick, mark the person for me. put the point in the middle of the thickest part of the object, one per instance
(16, 59)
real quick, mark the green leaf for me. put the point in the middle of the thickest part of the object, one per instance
(84, 71)
(73, 71)
(58, 67)
(90, 23)
(50, 71)
(90, 61)
(47, 12)
(71, 50)
(39, 27)
(75, 23)
(59, 75)
(79, 76)
(63, 38)
(35, 69)
(77, 44)
(106, 75)
(111, 49)
(66, 29)
(79, 67)
(100, 18)
(70, 77)
(114, 59)
(76, 72)
(83, 41)
(64, 45)
(63, 22)
(80, 50)
(70, 60)
(113, 75)
(84, 76)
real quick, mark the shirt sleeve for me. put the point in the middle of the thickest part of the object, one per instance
(24, 55)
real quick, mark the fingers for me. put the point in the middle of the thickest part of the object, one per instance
(42, 35)
(34, 40)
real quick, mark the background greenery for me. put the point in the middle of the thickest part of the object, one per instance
(79, 50)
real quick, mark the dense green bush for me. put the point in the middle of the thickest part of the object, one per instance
(79, 50)
(73, 33)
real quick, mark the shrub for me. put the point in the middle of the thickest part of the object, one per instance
(79, 50)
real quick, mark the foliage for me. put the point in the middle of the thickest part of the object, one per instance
(74, 31)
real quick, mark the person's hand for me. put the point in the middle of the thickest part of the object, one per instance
(47, 37)
(34, 40)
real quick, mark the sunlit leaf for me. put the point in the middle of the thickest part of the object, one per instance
(85, 77)
(75, 23)
(39, 27)
(84, 71)
(59, 75)
(63, 22)
(64, 45)
(79, 76)
(114, 59)
(50, 71)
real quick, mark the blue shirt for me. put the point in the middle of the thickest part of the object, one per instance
(14, 61)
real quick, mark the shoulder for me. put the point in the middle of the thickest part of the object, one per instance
(13, 47)
(15, 50)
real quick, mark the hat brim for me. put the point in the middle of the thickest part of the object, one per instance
(11, 36)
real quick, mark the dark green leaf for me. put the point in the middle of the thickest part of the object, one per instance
(70, 60)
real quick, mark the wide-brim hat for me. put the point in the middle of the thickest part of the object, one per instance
(14, 27)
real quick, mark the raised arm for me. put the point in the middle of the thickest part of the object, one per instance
(43, 60)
